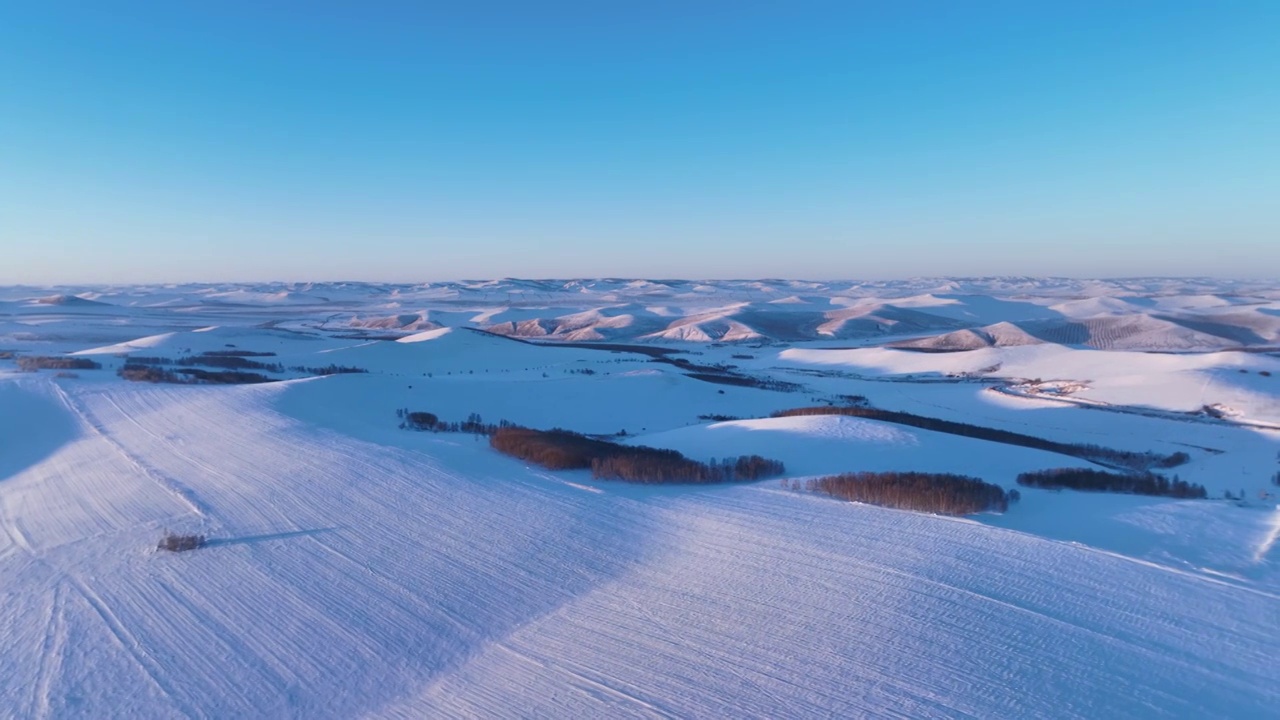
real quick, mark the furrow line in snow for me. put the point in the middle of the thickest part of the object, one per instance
(171, 485)
(51, 652)
(130, 644)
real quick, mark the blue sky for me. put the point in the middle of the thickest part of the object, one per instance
(417, 141)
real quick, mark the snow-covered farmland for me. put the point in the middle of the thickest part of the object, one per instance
(357, 569)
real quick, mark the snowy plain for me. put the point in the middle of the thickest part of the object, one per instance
(358, 569)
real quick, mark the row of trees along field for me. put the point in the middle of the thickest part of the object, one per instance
(940, 493)
(31, 363)
(1100, 481)
(430, 422)
(239, 361)
(134, 372)
(565, 450)
(1094, 453)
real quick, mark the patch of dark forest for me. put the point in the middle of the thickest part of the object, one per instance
(938, 493)
(942, 493)
(218, 367)
(32, 363)
(565, 450)
(1090, 480)
(558, 449)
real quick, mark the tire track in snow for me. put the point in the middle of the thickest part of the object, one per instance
(130, 644)
(171, 485)
(51, 653)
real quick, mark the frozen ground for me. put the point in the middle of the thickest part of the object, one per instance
(356, 569)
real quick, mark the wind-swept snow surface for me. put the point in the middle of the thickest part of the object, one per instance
(356, 569)
(346, 578)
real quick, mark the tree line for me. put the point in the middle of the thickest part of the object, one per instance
(1100, 481)
(940, 493)
(213, 360)
(134, 372)
(32, 363)
(1093, 453)
(239, 360)
(565, 450)
(430, 422)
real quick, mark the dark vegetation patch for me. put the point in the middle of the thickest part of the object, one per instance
(1092, 480)
(565, 450)
(719, 418)
(649, 350)
(237, 353)
(181, 543)
(7, 354)
(430, 422)
(212, 360)
(31, 363)
(1124, 459)
(229, 362)
(134, 372)
(224, 377)
(941, 493)
(234, 361)
(329, 370)
(747, 381)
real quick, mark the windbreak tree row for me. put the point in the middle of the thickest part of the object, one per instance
(940, 493)
(1125, 459)
(565, 450)
(1099, 481)
(31, 363)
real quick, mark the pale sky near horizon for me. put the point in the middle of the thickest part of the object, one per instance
(161, 141)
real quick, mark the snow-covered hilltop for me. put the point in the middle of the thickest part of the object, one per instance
(354, 567)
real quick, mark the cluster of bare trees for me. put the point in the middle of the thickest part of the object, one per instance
(1100, 481)
(215, 359)
(148, 373)
(189, 376)
(330, 369)
(747, 381)
(1093, 453)
(181, 543)
(430, 422)
(565, 450)
(31, 363)
(649, 465)
(238, 360)
(941, 493)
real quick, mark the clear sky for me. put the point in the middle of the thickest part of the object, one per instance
(228, 140)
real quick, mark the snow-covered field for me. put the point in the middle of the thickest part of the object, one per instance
(357, 569)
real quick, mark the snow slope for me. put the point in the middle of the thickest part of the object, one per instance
(357, 569)
(349, 578)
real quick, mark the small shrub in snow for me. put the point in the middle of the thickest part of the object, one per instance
(180, 543)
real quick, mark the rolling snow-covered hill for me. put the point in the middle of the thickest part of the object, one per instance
(355, 568)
